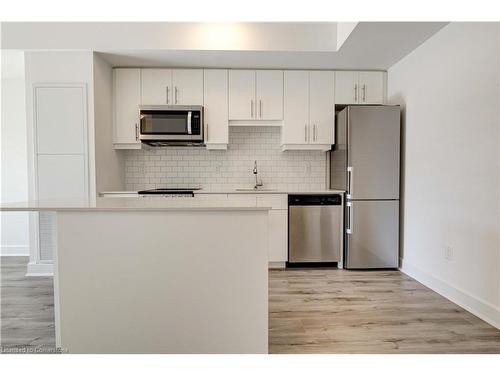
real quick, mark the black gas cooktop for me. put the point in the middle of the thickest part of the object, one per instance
(169, 191)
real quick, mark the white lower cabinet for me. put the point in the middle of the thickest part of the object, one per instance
(278, 219)
(278, 235)
(278, 225)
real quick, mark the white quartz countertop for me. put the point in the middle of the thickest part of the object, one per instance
(234, 191)
(134, 204)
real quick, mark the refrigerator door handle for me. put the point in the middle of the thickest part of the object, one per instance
(349, 182)
(349, 212)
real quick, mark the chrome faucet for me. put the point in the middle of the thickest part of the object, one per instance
(255, 172)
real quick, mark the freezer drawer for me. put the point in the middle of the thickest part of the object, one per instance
(315, 233)
(372, 239)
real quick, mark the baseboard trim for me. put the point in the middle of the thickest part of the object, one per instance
(14, 251)
(274, 265)
(476, 306)
(40, 269)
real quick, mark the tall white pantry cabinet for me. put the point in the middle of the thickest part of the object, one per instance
(59, 104)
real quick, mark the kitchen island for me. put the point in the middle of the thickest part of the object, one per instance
(156, 275)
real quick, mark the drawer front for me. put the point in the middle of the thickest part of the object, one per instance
(247, 199)
(211, 197)
(275, 201)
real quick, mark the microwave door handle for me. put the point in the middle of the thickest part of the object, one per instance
(189, 123)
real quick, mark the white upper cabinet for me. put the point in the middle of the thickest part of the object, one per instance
(372, 87)
(187, 85)
(309, 110)
(269, 95)
(255, 95)
(346, 87)
(295, 128)
(321, 107)
(172, 86)
(241, 94)
(359, 87)
(215, 108)
(156, 86)
(126, 99)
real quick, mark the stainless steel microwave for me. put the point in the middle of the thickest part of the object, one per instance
(165, 125)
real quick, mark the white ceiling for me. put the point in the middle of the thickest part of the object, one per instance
(371, 45)
(292, 45)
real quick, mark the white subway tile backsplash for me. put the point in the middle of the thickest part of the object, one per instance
(225, 170)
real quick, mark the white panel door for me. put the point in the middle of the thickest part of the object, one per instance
(346, 87)
(269, 94)
(295, 128)
(321, 106)
(60, 120)
(242, 95)
(61, 177)
(371, 87)
(215, 107)
(127, 97)
(187, 85)
(278, 235)
(156, 86)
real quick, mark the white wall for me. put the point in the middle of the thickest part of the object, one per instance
(449, 90)
(14, 173)
(110, 164)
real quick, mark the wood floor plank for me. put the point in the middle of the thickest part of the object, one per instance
(310, 311)
(27, 308)
(340, 311)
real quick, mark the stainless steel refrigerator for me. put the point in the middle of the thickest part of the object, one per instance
(365, 162)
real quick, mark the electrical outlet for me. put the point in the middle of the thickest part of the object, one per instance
(142, 169)
(448, 253)
(307, 168)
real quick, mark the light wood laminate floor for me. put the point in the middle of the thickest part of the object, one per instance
(27, 308)
(340, 311)
(311, 311)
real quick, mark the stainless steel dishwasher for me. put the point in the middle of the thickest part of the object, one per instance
(314, 229)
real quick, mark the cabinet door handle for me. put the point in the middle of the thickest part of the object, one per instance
(206, 131)
(167, 94)
(251, 108)
(364, 93)
(305, 133)
(356, 92)
(314, 132)
(175, 94)
(260, 108)
(136, 132)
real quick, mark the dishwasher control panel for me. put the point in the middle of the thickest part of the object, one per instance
(315, 200)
